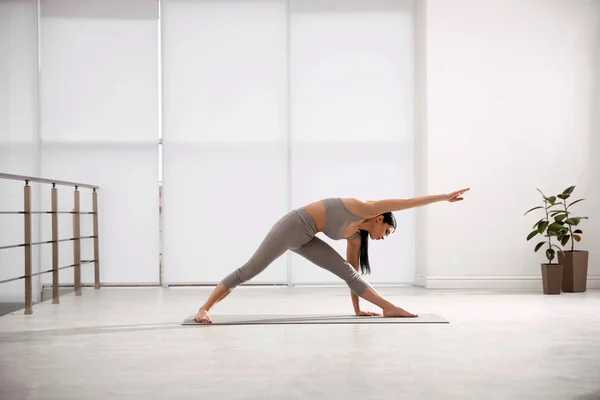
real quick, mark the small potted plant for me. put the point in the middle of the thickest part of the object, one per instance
(574, 262)
(551, 272)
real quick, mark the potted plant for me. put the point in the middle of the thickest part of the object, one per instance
(574, 262)
(551, 272)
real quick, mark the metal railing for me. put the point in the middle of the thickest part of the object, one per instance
(76, 239)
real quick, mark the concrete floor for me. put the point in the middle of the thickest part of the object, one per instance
(128, 344)
(7, 308)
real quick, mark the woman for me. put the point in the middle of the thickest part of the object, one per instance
(350, 219)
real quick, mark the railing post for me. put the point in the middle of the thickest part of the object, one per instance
(96, 246)
(28, 288)
(76, 244)
(54, 245)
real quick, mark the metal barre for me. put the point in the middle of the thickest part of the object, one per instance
(24, 178)
(46, 242)
(46, 212)
(27, 246)
(45, 272)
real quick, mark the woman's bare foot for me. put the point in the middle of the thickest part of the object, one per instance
(203, 317)
(398, 312)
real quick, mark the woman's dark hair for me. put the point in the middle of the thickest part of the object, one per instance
(365, 268)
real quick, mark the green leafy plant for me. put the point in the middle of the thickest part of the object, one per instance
(548, 228)
(566, 217)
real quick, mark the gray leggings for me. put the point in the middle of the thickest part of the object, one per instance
(296, 232)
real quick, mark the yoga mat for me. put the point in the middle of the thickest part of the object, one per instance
(313, 319)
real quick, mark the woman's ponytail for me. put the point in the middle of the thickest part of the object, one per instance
(365, 268)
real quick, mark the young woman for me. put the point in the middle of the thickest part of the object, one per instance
(350, 219)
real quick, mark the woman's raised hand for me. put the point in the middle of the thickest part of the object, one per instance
(455, 196)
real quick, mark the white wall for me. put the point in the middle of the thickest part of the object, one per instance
(512, 105)
(18, 136)
(99, 125)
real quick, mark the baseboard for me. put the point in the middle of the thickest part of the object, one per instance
(343, 285)
(213, 284)
(492, 282)
(419, 280)
(428, 282)
(106, 284)
(281, 284)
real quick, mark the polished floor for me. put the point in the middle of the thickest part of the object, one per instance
(129, 344)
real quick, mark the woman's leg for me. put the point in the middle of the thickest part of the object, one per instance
(218, 294)
(286, 233)
(320, 253)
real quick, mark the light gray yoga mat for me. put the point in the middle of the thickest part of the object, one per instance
(313, 319)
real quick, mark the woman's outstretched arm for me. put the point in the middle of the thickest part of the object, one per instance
(378, 207)
(352, 252)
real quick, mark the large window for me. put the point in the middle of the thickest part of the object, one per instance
(99, 124)
(271, 104)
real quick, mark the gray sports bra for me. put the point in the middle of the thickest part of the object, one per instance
(337, 218)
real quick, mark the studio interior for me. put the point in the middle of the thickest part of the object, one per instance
(300, 199)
